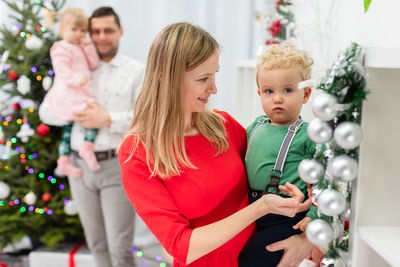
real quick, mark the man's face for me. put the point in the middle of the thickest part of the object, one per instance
(105, 35)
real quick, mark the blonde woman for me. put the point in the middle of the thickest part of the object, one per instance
(182, 165)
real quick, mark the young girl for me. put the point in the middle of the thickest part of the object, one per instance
(73, 57)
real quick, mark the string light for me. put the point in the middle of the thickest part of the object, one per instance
(32, 109)
(39, 78)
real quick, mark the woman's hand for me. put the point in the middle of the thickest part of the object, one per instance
(296, 249)
(280, 205)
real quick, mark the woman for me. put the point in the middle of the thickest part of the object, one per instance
(182, 165)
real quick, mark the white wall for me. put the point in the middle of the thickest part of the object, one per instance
(328, 26)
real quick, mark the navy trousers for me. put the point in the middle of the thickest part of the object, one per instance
(270, 228)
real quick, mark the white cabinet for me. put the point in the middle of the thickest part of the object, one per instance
(375, 223)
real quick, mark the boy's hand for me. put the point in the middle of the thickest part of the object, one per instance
(302, 225)
(292, 190)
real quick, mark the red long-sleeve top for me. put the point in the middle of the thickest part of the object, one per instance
(173, 207)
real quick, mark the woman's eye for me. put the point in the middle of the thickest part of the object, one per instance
(203, 79)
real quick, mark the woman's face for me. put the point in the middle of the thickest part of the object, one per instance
(199, 84)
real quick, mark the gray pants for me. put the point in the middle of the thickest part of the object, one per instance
(106, 214)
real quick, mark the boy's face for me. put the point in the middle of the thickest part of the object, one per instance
(280, 98)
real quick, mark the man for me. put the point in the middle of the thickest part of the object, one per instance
(107, 216)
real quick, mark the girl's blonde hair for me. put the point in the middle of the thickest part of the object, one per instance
(159, 110)
(285, 55)
(76, 16)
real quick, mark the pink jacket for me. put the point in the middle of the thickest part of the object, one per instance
(71, 63)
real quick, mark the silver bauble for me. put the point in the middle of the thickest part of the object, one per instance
(348, 135)
(310, 170)
(70, 208)
(30, 198)
(4, 190)
(331, 202)
(319, 232)
(319, 131)
(344, 168)
(329, 262)
(346, 214)
(338, 228)
(324, 106)
(315, 192)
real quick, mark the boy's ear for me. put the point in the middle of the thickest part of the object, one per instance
(307, 93)
(258, 91)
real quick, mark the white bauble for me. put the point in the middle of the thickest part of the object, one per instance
(315, 192)
(319, 131)
(348, 135)
(46, 82)
(70, 208)
(25, 132)
(30, 198)
(346, 214)
(324, 106)
(319, 232)
(33, 43)
(310, 170)
(329, 262)
(331, 202)
(338, 228)
(344, 168)
(4, 190)
(1, 135)
(23, 84)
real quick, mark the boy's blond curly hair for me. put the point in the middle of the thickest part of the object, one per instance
(285, 55)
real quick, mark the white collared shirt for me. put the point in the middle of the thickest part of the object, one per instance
(116, 85)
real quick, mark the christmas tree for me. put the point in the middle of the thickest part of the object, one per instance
(33, 200)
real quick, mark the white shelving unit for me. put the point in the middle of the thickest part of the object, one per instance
(375, 223)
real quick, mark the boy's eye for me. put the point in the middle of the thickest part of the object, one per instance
(287, 90)
(268, 91)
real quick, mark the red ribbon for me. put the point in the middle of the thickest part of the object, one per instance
(72, 253)
(3, 264)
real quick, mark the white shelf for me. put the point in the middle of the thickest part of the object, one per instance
(385, 240)
(382, 57)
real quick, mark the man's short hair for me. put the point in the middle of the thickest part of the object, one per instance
(103, 12)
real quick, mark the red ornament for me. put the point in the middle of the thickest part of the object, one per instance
(16, 106)
(12, 75)
(275, 28)
(46, 197)
(43, 130)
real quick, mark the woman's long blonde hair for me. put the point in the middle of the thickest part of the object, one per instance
(159, 111)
